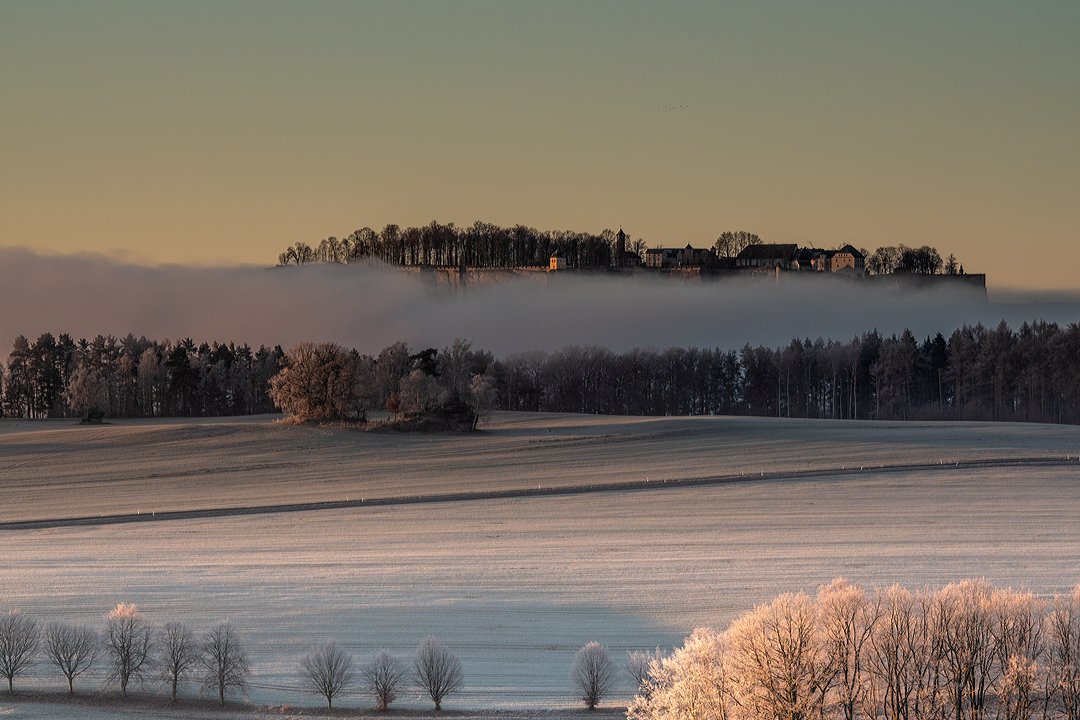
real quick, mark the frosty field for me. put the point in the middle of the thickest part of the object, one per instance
(516, 585)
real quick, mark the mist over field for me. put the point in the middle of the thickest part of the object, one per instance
(370, 308)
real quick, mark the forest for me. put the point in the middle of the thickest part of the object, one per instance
(1031, 374)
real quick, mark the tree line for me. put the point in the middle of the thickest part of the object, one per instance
(135, 377)
(485, 245)
(965, 651)
(978, 373)
(134, 651)
(1031, 374)
(479, 245)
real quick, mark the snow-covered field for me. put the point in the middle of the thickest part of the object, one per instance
(516, 586)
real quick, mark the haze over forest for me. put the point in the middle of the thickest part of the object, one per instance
(370, 308)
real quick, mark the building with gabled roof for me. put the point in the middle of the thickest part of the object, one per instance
(781, 255)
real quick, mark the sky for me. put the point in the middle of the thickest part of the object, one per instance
(217, 134)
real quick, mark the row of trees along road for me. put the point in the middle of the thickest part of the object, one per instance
(965, 651)
(977, 373)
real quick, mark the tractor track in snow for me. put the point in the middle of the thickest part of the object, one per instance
(539, 491)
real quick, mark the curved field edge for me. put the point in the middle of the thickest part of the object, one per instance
(53, 470)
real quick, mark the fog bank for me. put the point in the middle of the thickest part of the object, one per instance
(370, 308)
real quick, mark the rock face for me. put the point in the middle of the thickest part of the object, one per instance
(458, 280)
(455, 281)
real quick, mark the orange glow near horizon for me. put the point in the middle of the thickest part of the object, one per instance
(219, 135)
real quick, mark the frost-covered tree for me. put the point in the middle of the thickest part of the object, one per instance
(384, 678)
(592, 673)
(177, 654)
(481, 396)
(128, 642)
(1063, 645)
(327, 671)
(690, 684)
(779, 668)
(418, 393)
(437, 671)
(19, 636)
(846, 618)
(323, 382)
(87, 393)
(1019, 649)
(638, 663)
(224, 661)
(72, 649)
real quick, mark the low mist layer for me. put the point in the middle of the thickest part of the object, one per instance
(370, 308)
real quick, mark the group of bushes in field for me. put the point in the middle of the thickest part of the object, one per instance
(968, 650)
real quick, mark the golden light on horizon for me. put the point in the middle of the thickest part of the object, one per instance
(222, 134)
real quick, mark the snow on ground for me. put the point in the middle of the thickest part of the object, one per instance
(516, 586)
(58, 468)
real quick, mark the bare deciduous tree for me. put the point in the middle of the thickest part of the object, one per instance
(638, 663)
(178, 654)
(779, 668)
(419, 393)
(592, 673)
(1064, 652)
(437, 670)
(19, 637)
(87, 393)
(846, 617)
(690, 684)
(327, 670)
(323, 382)
(384, 677)
(72, 649)
(730, 244)
(129, 639)
(481, 397)
(224, 662)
